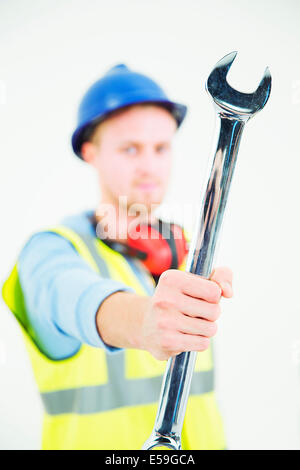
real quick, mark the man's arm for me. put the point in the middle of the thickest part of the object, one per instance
(180, 316)
(69, 304)
(62, 294)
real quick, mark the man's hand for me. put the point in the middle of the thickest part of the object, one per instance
(183, 311)
(180, 316)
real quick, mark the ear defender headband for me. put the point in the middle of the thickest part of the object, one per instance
(159, 246)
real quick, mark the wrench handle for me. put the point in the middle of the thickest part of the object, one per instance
(179, 370)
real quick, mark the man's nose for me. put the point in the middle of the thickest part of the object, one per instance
(148, 161)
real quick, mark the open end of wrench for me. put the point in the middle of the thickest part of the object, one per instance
(232, 101)
(158, 441)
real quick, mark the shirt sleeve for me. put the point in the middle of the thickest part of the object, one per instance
(62, 294)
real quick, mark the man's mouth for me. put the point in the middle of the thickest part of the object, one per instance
(147, 186)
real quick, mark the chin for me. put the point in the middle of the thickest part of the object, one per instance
(147, 199)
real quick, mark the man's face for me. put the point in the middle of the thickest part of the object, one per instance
(132, 153)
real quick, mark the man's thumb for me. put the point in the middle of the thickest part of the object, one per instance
(223, 277)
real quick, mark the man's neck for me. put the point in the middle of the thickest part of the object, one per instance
(115, 222)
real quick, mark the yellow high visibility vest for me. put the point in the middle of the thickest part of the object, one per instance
(99, 400)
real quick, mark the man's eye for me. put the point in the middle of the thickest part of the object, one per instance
(130, 150)
(162, 148)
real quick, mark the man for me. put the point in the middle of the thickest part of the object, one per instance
(101, 306)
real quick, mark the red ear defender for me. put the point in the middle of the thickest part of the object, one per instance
(163, 245)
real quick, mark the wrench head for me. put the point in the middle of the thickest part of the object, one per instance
(233, 102)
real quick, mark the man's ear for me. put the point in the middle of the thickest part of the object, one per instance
(88, 152)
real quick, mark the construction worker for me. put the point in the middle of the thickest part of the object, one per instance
(102, 304)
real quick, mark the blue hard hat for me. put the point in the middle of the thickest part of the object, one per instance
(120, 87)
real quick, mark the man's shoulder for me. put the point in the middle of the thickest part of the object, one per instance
(81, 222)
(51, 237)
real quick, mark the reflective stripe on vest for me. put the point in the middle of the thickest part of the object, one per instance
(117, 393)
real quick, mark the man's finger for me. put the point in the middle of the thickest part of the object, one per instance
(223, 277)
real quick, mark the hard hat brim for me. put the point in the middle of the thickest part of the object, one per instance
(177, 110)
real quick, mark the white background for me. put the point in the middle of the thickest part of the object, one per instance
(50, 52)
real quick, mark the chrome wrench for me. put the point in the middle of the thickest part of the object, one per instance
(233, 110)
